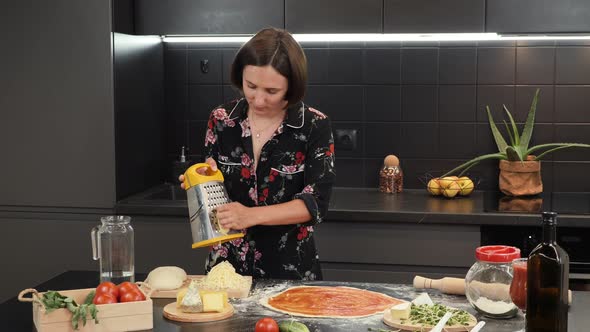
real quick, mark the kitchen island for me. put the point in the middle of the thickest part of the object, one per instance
(18, 317)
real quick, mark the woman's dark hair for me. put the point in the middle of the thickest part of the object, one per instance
(277, 48)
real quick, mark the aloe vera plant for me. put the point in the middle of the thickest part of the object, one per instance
(518, 149)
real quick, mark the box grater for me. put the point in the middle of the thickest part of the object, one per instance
(205, 192)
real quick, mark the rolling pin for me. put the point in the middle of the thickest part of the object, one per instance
(456, 286)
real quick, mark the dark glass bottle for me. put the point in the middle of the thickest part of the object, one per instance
(547, 282)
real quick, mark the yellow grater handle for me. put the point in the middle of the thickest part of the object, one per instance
(193, 178)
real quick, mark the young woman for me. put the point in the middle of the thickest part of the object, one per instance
(277, 158)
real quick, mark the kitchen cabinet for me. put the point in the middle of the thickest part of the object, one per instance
(333, 16)
(60, 126)
(538, 16)
(173, 17)
(433, 16)
(394, 252)
(57, 133)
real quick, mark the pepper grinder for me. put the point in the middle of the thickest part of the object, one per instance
(391, 177)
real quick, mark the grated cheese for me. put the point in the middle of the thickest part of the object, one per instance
(224, 276)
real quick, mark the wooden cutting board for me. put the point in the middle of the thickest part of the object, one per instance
(387, 319)
(235, 293)
(173, 313)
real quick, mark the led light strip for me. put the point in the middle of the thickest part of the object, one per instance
(373, 37)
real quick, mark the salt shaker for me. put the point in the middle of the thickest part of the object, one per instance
(391, 177)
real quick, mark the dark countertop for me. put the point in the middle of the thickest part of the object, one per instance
(18, 316)
(410, 206)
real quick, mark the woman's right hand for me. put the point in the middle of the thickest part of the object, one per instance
(201, 170)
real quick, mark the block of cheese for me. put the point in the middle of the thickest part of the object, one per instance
(189, 299)
(214, 301)
(401, 311)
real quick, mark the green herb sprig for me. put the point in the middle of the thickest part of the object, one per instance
(53, 300)
(430, 315)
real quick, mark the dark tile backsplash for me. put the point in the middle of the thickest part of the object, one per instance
(424, 102)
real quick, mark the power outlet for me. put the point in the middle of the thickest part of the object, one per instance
(345, 139)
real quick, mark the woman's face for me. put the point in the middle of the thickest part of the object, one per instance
(264, 89)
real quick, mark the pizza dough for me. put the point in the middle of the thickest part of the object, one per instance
(166, 278)
(329, 302)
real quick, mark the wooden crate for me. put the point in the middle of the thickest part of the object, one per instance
(129, 316)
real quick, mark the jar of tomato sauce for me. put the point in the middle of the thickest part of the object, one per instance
(518, 286)
(487, 284)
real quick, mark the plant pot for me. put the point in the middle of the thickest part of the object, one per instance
(531, 204)
(521, 178)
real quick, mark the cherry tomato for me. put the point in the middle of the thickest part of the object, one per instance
(126, 287)
(104, 298)
(266, 324)
(108, 287)
(132, 296)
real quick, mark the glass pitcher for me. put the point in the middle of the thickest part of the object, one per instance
(112, 244)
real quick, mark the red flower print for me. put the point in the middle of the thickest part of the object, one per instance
(220, 114)
(308, 189)
(246, 161)
(245, 173)
(264, 195)
(245, 128)
(302, 233)
(299, 157)
(290, 168)
(273, 175)
(237, 242)
(210, 138)
(331, 152)
(229, 122)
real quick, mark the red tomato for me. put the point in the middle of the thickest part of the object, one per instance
(132, 296)
(108, 287)
(104, 298)
(266, 324)
(126, 287)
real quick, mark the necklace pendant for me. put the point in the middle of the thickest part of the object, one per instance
(258, 135)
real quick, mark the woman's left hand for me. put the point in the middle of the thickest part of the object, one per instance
(235, 216)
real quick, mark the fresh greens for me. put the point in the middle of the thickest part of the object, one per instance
(518, 149)
(430, 315)
(53, 300)
(382, 330)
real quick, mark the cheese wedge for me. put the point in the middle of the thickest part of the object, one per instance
(401, 311)
(214, 301)
(189, 299)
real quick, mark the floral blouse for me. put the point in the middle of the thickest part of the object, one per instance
(297, 162)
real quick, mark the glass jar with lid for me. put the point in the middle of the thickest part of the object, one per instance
(487, 284)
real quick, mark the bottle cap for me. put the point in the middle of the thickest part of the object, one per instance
(497, 254)
(549, 218)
